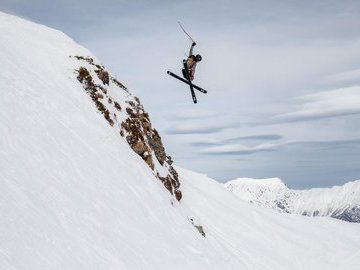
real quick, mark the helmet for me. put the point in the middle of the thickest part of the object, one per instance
(198, 58)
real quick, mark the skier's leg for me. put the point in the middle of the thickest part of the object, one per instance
(185, 74)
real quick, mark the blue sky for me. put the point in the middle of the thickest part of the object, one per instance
(283, 79)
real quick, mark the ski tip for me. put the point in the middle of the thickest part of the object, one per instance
(168, 72)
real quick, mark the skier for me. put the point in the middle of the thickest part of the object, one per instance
(191, 63)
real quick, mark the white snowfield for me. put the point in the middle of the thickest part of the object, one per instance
(341, 202)
(74, 195)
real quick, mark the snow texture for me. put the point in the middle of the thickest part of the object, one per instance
(342, 202)
(74, 195)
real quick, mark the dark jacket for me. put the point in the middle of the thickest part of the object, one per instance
(191, 63)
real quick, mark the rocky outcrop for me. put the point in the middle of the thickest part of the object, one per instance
(198, 227)
(125, 112)
(351, 214)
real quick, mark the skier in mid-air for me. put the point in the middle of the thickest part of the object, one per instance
(191, 62)
(188, 70)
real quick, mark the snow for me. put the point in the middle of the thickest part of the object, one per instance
(275, 194)
(249, 189)
(263, 239)
(74, 195)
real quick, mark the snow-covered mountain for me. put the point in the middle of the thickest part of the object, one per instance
(85, 182)
(342, 202)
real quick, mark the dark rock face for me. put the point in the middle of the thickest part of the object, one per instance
(95, 91)
(351, 214)
(135, 125)
(198, 227)
(156, 144)
(103, 76)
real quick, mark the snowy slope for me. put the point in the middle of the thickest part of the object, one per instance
(73, 194)
(76, 194)
(263, 239)
(342, 202)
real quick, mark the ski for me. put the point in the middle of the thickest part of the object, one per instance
(185, 81)
(189, 82)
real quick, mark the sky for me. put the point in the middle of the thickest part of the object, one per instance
(283, 79)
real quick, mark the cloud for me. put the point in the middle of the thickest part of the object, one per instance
(325, 143)
(326, 104)
(262, 137)
(206, 142)
(192, 114)
(347, 77)
(239, 149)
(197, 127)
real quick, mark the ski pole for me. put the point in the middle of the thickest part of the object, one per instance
(185, 32)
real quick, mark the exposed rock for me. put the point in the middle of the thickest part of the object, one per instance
(89, 60)
(169, 160)
(119, 84)
(198, 227)
(98, 95)
(178, 194)
(140, 147)
(351, 214)
(148, 160)
(93, 90)
(103, 76)
(117, 106)
(136, 128)
(157, 146)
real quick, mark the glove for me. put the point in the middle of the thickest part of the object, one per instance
(192, 45)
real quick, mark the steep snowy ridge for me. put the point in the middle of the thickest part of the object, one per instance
(342, 202)
(73, 194)
(120, 108)
(79, 180)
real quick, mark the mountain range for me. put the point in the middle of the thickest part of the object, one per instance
(341, 202)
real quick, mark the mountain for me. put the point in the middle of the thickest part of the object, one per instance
(341, 202)
(85, 182)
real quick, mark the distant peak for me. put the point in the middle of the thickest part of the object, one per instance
(266, 182)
